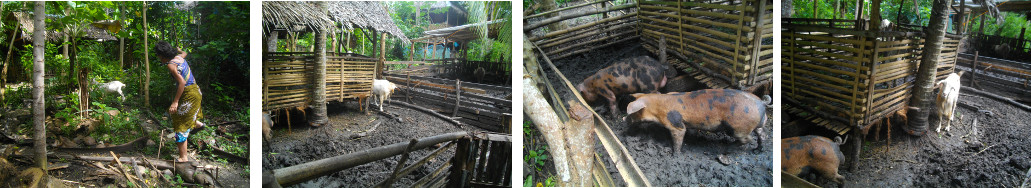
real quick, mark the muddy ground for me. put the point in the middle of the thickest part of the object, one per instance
(651, 145)
(305, 143)
(994, 153)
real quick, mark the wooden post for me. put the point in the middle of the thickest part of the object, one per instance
(1020, 43)
(973, 70)
(757, 40)
(408, 82)
(458, 97)
(981, 28)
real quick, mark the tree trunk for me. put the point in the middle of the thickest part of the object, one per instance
(382, 54)
(38, 105)
(320, 116)
(922, 96)
(121, 40)
(875, 15)
(548, 5)
(271, 41)
(7, 61)
(146, 60)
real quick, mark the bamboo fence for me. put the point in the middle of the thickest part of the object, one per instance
(729, 41)
(1020, 50)
(288, 77)
(606, 24)
(470, 103)
(851, 77)
(1010, 78)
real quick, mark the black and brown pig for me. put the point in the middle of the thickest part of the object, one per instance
(710, 109)
(805, 153)
(635, 75)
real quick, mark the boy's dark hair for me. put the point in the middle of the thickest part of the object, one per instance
(166, 50)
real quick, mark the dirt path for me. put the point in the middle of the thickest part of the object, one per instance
(650, 144)
(995, 152)
(307, 144)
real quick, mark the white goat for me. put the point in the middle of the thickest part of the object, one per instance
(947, 97)
(382, 89)
(111, 87)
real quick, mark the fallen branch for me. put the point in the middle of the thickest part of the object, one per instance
(428, 111)
(139, 142)
(159, 164)
(222, 153)
(982, 150)
(394, 116)
(971, 129)
(119, 168)
(364, 133)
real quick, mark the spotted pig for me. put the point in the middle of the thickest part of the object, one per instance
(635, 75)
(741, 113)
(805, 153)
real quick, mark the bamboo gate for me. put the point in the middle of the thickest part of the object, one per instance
(480, 160)
(288, 77)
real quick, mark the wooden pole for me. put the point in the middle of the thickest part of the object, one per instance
(146, 59)
(458, 97)
(973, 69)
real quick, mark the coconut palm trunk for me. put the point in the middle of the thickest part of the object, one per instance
(38, 106)
(320, 116)
(922, 97)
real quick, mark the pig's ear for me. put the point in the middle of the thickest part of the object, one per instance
(637, 95)
(635, 106)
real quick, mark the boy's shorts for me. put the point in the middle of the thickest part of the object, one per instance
(181, 137)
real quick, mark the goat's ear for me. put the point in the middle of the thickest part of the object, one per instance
(635, 106)
(637, 95)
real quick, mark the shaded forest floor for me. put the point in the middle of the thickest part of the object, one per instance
(74, 143)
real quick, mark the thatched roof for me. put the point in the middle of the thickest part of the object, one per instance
(24, 19)
(365, 14)
(284, 14)
(351, 14)
(465, 32)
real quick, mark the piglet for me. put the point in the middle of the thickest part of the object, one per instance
(636, 75)
(805, 153)
(711, 109)
(266, 126)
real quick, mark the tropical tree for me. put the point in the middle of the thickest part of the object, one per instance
(39, 107)
(922, 95)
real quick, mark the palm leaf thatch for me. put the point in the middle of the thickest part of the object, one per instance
(88, 31)
(287, 14)
(466, 32)
(365, 14)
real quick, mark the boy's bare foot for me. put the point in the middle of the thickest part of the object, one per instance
(198, 124)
